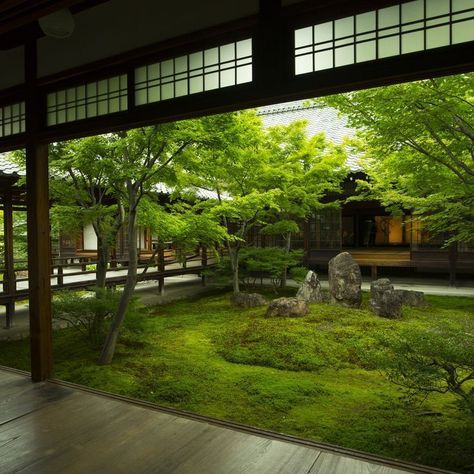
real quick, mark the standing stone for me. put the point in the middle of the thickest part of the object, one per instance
(411, 297)
(345, 281)
(310, 289)
(288, 307)
(384, 300)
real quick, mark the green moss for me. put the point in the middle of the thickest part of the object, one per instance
(303, 376)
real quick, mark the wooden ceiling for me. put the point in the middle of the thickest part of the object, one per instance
(18, 18)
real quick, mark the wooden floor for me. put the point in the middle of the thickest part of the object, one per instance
(51, 428)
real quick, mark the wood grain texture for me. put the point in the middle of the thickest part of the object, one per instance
(50, 428)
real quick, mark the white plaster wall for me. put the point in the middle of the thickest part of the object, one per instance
(90, 239)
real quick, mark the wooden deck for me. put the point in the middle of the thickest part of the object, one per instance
(55, 428)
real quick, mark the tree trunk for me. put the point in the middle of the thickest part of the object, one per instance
(284, 275)
(102, 262)
(108, 350)
(234, 260)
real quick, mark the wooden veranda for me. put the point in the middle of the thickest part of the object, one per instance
(59, 427)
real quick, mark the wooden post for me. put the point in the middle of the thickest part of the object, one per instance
(161, 269)
(203, 264)
(9, 284)
(60, 278)
(453, 257)
(39, 249)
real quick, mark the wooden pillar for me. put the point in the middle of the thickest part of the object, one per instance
(161, 269)
(9, 283)
(203, 264)
(39, 248)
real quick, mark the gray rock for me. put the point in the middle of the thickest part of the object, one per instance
(247, 300)
(412, 298)
(345, 281)
(384, 300)
(310, 289)
(288, 307)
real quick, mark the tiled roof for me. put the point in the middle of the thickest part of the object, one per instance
(7, 168)
(320, 119)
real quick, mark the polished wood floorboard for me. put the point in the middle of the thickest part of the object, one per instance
(48, 428)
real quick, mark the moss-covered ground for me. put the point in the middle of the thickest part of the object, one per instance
(303, 376)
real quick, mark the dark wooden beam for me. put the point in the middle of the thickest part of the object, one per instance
(9, 274)
(39, 252)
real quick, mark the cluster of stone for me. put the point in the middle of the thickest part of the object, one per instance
(247, 300)
(345, 281)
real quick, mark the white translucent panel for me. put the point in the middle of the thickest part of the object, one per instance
(22, 107)
(23, 125)
(195, 60)
(124, 102)
(114, 84)
(51, 119)
(81, 112)
(153, 72)
(344, 55)
(227, 78)
(179, 77)
(91, 91)
(437, 37)
(310, 49)
(123, 82)
(91, 110)
(303, 37)
(167, 68)
(323, 60)
(389, 47)
(154, 94)
(342, 42)
(304, 64)
(71, 114)
(437, 8)
(389, 16)
(61, 117)
(114, 105)
(181, 64)
(244, 48)
(243, 62)
(61, 97)
(141, 97)
(15, 127)
(210, 69)
(344, 27)
(323, 32)
(413, 11)
(459, 5)
(167, 91)
(102, 108)
(227, 52)
(71, 95)
(51, 100)
(196, 84)
(211, 56)
(365, 22)
(16, 111)
(7, 112)
(8, 129)
(366, 36)
(462, 16)
(181, 88)
(197, 72)
(463, 31)
(102, 87)
(366, 51)
(211, 81)
(80, 93)
(244, 74)
(140, 75)
(389, 32)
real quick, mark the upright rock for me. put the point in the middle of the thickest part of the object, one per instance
(310, 289)
(288, 307)
(345, 281)
(384, 300)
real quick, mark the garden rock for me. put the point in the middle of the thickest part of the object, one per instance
(288, 307)
(345, 281)
(384, 300)
(310, 289)
(412, 298)
(247, 300)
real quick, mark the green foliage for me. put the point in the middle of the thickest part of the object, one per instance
(418, 141)
(434, 359)
(88, 312)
